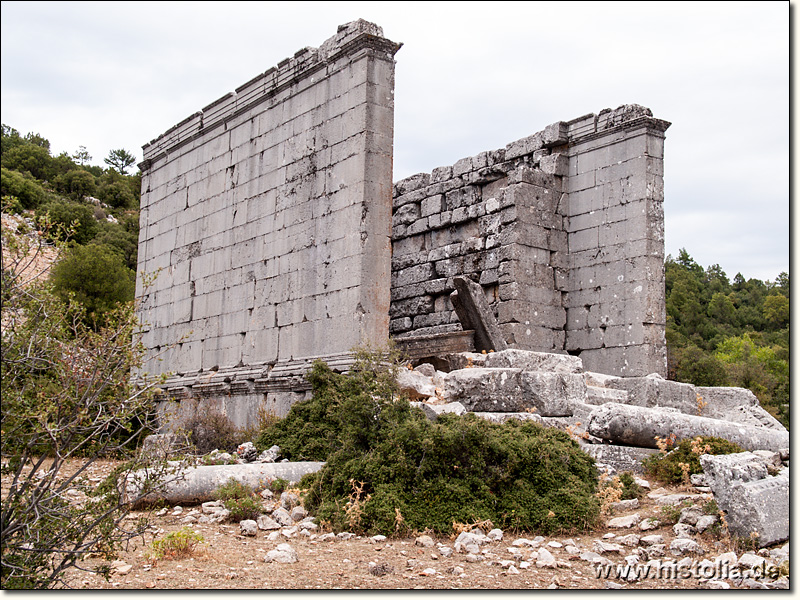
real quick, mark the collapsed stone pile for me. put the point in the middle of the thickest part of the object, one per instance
(620, 420)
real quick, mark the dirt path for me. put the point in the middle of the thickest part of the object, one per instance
(228, 560)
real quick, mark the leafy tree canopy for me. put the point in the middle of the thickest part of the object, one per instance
(120, 160)
(97, 277)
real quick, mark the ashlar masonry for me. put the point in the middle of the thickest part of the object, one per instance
(274, 236)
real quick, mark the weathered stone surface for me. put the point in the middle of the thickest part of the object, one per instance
(466, 540)
(705, 522)
(600, 395)
(736, 404)
(631, 540)
(624, 522)
(723, 470)
(649, 540)
(432, 411)
(545, 559)
(619, 458)
(680, 546)
(197, 484)
(755, 502)
(270, 455)
(415, 385)
(267, 523)
(232, 219)
(631, 504)
(248, 527)
(502, 417)
(475, 313)
(283, 517)
(513, 390)
(690, 515)
(648, 524)
(639, 426)
(284, 553)
(607, 547)
(683, 530)
(528, 360)
(652, 392)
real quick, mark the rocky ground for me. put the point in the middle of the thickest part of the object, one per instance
(298, 553)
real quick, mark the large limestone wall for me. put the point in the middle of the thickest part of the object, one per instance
(615, 300)
(564, 231)
(265, 219)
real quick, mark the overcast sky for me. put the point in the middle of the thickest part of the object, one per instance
(471, 76)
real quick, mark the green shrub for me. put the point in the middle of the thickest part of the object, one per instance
(390, 470)
(76, 183)
(175, 545)
(69, 220)
(95, 276)
(630, 489)
(278, 485)
(27, 190)
(239, 499)
(683, 460)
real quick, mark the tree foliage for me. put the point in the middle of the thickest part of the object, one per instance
(120, 160)
(722, 333)
(96, 277)
(68, 397)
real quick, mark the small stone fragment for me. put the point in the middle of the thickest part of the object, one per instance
(248, 527)
(284, 553)
(624, 522)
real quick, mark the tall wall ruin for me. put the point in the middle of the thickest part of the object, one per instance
(274, 234)
(262, 220)
(562, 229)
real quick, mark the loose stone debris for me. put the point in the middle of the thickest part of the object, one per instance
(553, 389)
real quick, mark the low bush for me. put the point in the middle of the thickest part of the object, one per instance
(675, 465)
(278, 486)
(390, 470)
(175, 545)
(630, 489)
(239, 500)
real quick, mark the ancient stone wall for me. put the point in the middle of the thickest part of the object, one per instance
(269, 227)
(564, 231)
(615, 300)
(265, 219)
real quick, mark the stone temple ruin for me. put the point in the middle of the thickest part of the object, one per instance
(524, 282)
(270, 220)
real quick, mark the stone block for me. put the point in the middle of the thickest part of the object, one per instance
(555, 164)
(555, 134)
(514, 390)
(618, 458)
(524, 146)
(755, 502)
(656, 392)
(432, 205)
(640, 426)
(469, 302)
(533, 361)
